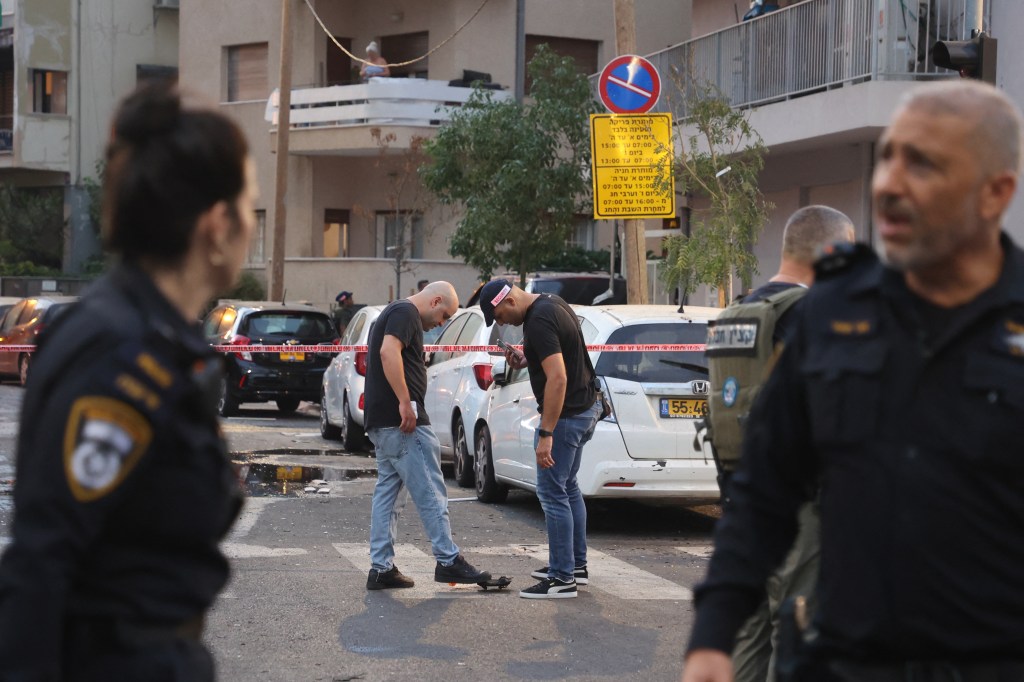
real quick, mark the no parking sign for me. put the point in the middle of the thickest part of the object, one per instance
(629, 85)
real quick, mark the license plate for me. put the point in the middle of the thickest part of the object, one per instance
(298, 356)
(684, 408)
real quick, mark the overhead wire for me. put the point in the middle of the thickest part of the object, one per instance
(396, 64)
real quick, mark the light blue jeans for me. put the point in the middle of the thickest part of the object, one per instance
(564, 510)
(408, 461)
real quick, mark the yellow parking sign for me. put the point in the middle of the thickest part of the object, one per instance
(631, 158)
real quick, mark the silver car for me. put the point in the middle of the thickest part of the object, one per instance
(341, 399)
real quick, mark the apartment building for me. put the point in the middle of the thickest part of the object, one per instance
(64, 64)
(820, 79)
(347, 196)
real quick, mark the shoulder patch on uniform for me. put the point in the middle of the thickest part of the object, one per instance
(160, 375)
(1014, 338)
(103, 441)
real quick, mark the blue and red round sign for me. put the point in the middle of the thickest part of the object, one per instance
(629, 85)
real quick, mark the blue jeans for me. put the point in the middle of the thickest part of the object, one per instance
(564, 510)
(409, 461)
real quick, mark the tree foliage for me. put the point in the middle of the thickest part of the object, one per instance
(720, 163)
(518, 171)
(31, 228)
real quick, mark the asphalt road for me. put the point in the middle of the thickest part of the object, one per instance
(297, 608)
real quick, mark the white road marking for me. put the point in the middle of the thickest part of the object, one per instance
(254, 506)
(236, 550)
(608, 574)
(702, 551)
(619, 578)
(414, 563)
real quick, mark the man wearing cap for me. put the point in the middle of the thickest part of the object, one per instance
(345, 311)
(564, 383)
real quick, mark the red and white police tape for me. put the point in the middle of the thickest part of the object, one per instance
(331, 348)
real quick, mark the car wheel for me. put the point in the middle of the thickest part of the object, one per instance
(487, 489)
(327, 430)
(227, 406)
(351, 433)
(23, 363)
(463, 460)
(287, 405)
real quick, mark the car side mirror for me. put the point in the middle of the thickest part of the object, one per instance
(500, 372)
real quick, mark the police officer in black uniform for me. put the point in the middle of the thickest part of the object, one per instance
(124, 488)
(901, 391)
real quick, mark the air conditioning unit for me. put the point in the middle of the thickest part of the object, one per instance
(166, 4)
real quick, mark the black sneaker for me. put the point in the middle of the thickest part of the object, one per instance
(550, 588)
(580, 574)
(384, 580)
(460, 571)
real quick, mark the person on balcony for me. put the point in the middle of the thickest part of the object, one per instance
(375, 65)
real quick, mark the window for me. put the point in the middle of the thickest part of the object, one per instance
(402, 48)
(256, 244)
(666, 367)
(336, 233)
(447, 338)
(49, 91)
(582, 234)
(583, 52)
(338, 65)
(247, 72)
(150, 73)
(468, 333)
(404, 230)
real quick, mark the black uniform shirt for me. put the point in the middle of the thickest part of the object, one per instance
(402, 320)
(916, 440)
(551, 327)
(123, 485)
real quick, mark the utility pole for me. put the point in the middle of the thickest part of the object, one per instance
(284, 110)
(520, 89)
(635, 246)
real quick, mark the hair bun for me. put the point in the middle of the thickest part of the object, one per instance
(152, 110)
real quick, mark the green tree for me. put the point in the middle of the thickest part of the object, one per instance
(517, 170)
(31, 226)
(720, 163)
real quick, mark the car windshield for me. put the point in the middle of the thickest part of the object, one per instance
(292, 324)
(659, 367)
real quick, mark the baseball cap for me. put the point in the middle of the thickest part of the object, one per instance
(343, 296)
(491, 294)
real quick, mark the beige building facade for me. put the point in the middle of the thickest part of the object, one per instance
(64, 64)
(344, 190)
(821, 78)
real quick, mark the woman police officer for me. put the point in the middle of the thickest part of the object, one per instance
(123, 486)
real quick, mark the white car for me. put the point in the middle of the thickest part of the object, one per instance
(341, 399)
(646, 448)
(457, 383)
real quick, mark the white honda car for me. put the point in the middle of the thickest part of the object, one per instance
(647, 447)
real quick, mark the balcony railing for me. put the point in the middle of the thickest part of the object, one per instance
(813, 46)
(386, 101)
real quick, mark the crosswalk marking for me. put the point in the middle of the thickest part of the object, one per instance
(608, 574)
(237, 550)
(414, 563)
(702, 551)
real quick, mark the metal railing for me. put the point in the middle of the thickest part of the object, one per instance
(813, 46)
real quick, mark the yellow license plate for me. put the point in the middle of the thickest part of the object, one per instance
(684, 408)
(293, 357)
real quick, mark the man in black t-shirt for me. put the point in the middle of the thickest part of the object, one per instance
(408, 452)
(564, 384)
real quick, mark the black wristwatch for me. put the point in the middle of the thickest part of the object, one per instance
(545, 434)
